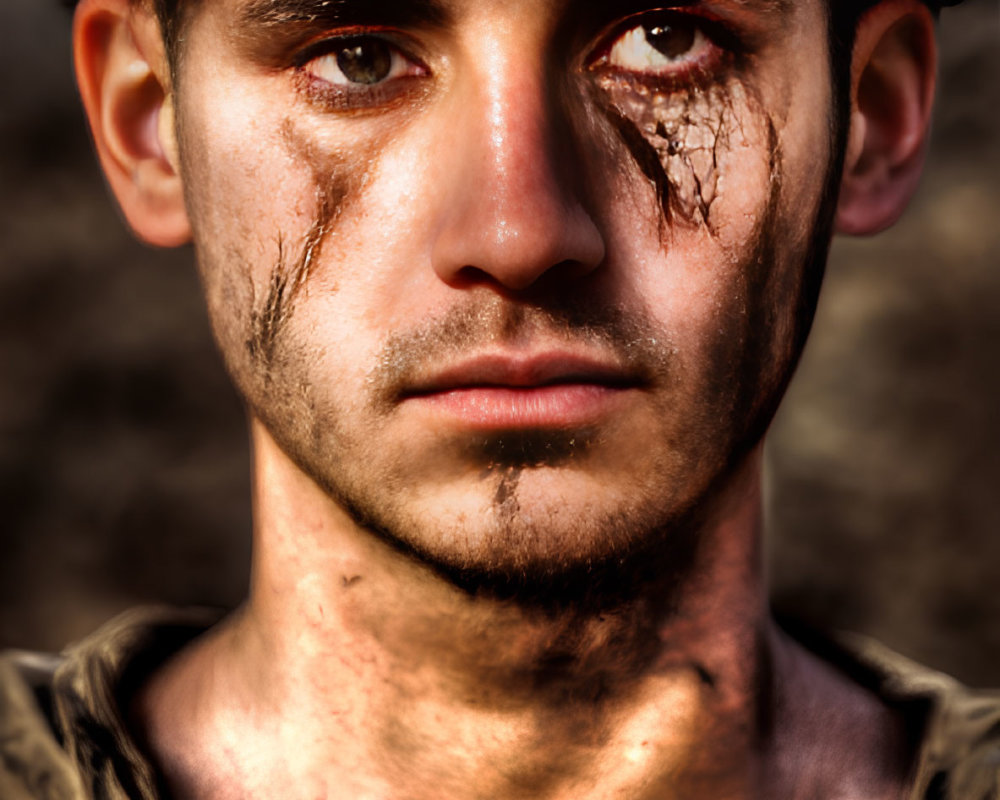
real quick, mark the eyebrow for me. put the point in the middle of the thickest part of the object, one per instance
(340, 13)
(768, 6)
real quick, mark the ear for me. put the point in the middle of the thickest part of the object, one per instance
(125, 82)
(892, 91)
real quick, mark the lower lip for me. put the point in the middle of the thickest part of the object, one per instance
(504, 407)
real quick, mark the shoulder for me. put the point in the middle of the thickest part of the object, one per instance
(956, 729)
(960, 751)
(33, 764)
(63, 719)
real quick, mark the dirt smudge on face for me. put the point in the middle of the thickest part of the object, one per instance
(505, 500)
(677, 138)
(684, 141)
(334, 183)
(288, 277)
(526, 449)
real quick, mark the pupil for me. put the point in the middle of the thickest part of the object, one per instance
(672, 41)
(365, 62)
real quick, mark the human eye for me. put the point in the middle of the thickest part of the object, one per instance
(662, 45)
(358, 71)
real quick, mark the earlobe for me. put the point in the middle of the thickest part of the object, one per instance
(892, 91)
(124, 81)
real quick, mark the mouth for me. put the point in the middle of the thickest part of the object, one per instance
(505, 391)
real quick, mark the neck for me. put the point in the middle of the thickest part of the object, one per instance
(394, 676)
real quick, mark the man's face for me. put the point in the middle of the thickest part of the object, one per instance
(514, 281)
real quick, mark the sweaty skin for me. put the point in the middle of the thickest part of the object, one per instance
(708, 131)
(459, 610)
(681, 140)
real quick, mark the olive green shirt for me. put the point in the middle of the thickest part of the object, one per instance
(63, 736)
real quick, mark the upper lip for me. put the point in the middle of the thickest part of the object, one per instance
(519, 371)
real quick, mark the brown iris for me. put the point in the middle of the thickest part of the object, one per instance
(673, 41)
(366, 61)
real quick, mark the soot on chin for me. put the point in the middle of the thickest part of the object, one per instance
(520, 449)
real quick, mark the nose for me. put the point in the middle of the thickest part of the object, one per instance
(513, 210)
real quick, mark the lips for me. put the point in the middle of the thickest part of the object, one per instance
(512, 391)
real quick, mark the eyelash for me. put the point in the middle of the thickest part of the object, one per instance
(348, 97)
(356, 97)
(719, 41)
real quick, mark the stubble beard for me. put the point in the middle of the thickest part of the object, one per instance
(598, 558)
(603, 556)
(512, 549)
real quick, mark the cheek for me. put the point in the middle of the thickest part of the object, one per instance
(696, 146)
(714, 162)
(267, 196)
(728, 244)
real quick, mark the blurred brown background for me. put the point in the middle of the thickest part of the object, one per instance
(123, 456)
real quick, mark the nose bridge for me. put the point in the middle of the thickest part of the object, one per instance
(517, 210)
(519, 134)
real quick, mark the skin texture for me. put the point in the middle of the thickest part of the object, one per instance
(510, 326)
(291, 273)
(308, 307)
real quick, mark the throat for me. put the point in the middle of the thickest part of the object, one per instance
(457, 697)
(360, 669)
(565, 723)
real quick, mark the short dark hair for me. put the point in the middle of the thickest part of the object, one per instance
(169, 13)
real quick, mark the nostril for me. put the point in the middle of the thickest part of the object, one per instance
(475, 249)
(555, 280)
(469, 277)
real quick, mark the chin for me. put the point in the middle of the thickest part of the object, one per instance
(542, 535)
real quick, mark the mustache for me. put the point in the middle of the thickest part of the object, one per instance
(642, 349)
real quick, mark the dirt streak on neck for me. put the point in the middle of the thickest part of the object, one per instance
(378, 650)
